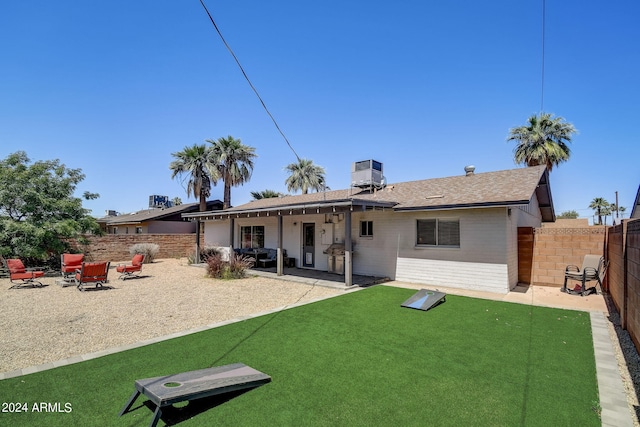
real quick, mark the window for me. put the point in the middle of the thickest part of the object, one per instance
(438, 232)
(252, 236)
(138, 230)
(366, 228)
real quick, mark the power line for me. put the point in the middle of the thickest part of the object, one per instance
(247, 79)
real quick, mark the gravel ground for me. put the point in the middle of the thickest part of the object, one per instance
(628, 361)
(41, 325)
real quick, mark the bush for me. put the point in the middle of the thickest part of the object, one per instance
(209, 251)
(149, 250)
(235, 268)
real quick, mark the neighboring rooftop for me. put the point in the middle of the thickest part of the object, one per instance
(158, 213)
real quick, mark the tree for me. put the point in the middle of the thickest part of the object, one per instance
(619, 210)
(38, 210)
(600, 205)
(176, 201)
(266, 194)
(569, 215)
(543, 141)
(234, 161)
(196, 163)
(305, 176)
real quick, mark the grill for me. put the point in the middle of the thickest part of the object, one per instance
(335, 249)
(335, 260)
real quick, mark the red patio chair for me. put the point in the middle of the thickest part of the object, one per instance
(92, 273)
(133, 270)
(19, 276)
(70, 263)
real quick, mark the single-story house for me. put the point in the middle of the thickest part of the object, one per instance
(155, 220)
(459, 231)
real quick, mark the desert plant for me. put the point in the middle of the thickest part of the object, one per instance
(149, 250)
(235, 268)
(215, 266)
(238, 265)
(209, 251)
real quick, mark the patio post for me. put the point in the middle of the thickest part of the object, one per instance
(197, 241)
(348, 270)
(279, 259)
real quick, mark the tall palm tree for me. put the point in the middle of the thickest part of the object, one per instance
(305, 176)
(543, 141)
(266, 194)
(235, 163)
(195, 161)
(601, 206)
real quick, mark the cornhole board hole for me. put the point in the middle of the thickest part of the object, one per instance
(167, 390)
(425, 299)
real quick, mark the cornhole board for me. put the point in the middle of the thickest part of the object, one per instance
(425, 299)
(167, 390)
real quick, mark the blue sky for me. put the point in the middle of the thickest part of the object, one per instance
(113, 88)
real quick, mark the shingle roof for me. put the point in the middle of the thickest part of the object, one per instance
(501, 188)
(155, 214)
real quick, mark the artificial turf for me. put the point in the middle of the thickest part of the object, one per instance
(354, 360)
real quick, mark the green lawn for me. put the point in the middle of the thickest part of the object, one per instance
(355, 360)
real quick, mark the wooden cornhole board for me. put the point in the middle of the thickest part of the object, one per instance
(425, 299)
(167, 390)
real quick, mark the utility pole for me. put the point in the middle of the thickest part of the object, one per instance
(617, 207)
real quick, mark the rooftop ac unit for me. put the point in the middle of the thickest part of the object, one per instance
(367, 173)
(157, 201)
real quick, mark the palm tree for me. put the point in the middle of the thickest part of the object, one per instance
(196, 162)
(619, 210)
(266, 194)
(543, 141)
(235, 163)
(600, 205)
(304, 176)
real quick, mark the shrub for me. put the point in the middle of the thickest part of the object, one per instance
(149, 250)
(235, 268)
(209, 251)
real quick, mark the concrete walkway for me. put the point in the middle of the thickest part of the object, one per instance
(613, 401)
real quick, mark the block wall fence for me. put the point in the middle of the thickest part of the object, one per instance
(115, 247)
(555, 248)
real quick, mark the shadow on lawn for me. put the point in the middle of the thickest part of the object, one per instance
(175, 414)
(629, 350)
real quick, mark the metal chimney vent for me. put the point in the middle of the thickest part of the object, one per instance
(469, 170)
(367, 173)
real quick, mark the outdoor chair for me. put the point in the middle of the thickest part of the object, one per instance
(69, 264)
(92, 273)
(269, 260)
(19, 276)
(593, 268)
(132, 270)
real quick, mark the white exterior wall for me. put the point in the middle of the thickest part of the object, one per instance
(480, 263)
(216, 233)
(486, 260)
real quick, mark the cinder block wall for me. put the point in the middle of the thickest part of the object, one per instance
(555, 248)
(115, 247)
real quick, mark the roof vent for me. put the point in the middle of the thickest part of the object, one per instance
(469, 170)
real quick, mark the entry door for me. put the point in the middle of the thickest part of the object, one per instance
(308, 244)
